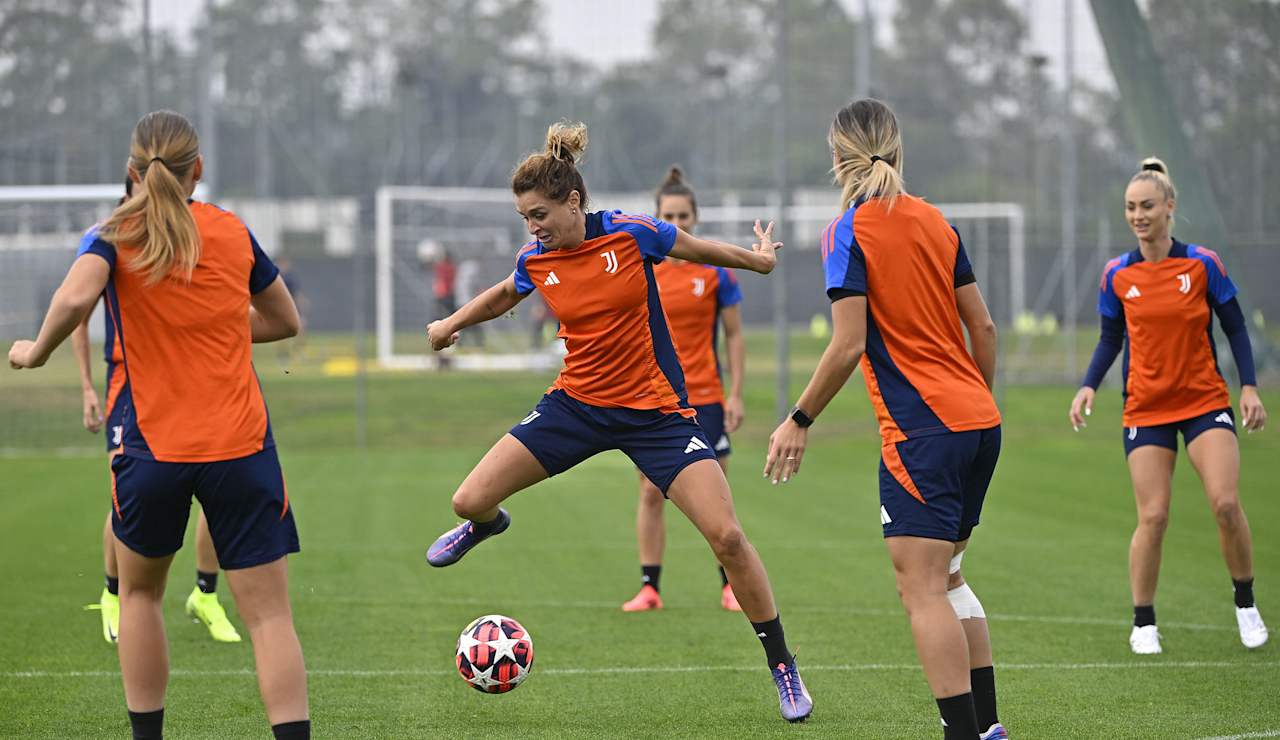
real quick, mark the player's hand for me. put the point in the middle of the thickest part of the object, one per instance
(733, 413)
(765, 248)
(440, 336)
(786, 450)
(1081, 406)
(1252, 413)
(22, 355)
(92, 411)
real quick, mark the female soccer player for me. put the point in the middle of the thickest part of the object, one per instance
(621, 386)
(203, 603)
(696, 298)
(1155, 303)
(188, 289)
(901, 286)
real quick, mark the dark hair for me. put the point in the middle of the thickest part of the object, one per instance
(554, 171)
(674, 184)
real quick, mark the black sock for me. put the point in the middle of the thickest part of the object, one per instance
(113, 585)
(724, 578)
(983, 681)
(484, 528)
(649, 575)
(206, 582)
(1144, 616)
(147, 725)
(774, 641)
(959, 720)
(300, 730)
(1244, 593)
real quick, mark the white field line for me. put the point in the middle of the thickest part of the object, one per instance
(628, 670)
(1262, 733)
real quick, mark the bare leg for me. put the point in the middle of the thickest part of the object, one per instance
(702, 493)
(206, 555)
(109, 565)
(262, 595)
(144, 651)
(975, 628)
(1151, 468)
(1215, 455)
(506, 468)
(651, 531)
(921, 565)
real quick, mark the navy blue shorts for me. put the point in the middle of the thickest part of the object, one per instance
(1166, 435)
(934, 486)
(711, 419)
(562, 432)
(244, 500)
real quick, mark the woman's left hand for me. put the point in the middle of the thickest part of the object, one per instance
(21, 355)
(734, 411)
(786, 450)
(1252, 413)
(765, 248)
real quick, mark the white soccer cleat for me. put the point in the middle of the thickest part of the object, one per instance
(1145, 640)
(1253, 633)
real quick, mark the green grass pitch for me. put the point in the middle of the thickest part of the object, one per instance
(378, 626)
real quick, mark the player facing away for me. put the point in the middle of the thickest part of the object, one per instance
(621, 386)
(698, 299)
(188, 290)
(901, 286)
(202, 604)
(1156, 303)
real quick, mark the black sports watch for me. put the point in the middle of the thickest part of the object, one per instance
(801, 419)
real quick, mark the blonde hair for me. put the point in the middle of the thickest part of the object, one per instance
(867, 145)
(1154, 170)
(554, 171)
(155, 219)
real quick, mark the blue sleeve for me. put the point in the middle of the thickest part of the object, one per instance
(1233, 325)
(91, 244)
(524, 284)
(1110, 343)
(264, 271)
(655, 238)
(1108, 302)
(842, 261)
(728, 292)
(1221, 288)
(964, 269)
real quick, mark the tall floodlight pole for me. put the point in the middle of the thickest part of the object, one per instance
(146, 56)
(862, 63)
(781, 326)
(1070, 199)
(208, 118)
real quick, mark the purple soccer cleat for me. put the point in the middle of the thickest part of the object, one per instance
(793, 697)
(452, 545)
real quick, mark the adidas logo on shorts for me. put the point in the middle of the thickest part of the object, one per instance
(1224, 418)
(694, 444)
(723, 444)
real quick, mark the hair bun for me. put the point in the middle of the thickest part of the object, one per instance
(1153, 164)
(675, 176)
(567, 141)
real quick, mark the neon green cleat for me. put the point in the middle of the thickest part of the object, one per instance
(205, 608)
(109, 605)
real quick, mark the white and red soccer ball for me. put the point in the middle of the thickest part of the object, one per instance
(495, 654)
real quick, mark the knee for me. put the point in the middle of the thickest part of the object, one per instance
(1226, 509)
(729, 543)
(1155, 521)
(650, 497)
(464, 505)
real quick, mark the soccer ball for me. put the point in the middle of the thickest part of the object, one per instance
(495, 654)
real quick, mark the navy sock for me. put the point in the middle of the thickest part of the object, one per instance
(983, 681)
(649, 575)
(1244, 593)
(1144, 616)
(147, 725)
(206, 582)
(959, 719)
(774, 641)
(724, 577)
(485, 528)
(300, 730)
(113, 585)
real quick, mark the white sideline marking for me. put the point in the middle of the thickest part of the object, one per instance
(1263, 733)
(624, 670)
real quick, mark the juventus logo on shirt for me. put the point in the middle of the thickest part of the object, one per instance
(610, 261)
(699, 286)
(1184, 283)
(1133, 293)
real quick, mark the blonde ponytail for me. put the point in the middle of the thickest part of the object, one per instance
(156, 219)
(867, 144)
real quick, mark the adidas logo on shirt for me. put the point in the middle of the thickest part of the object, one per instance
(1133, 293)
(551, 279)
(694, 444)
(1224, 418)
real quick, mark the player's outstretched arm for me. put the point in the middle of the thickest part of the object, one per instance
(91, 408)
(272, 313)
(982, 330)
(848, 341)
(72, 303)
(492, 303)
(760, 258)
